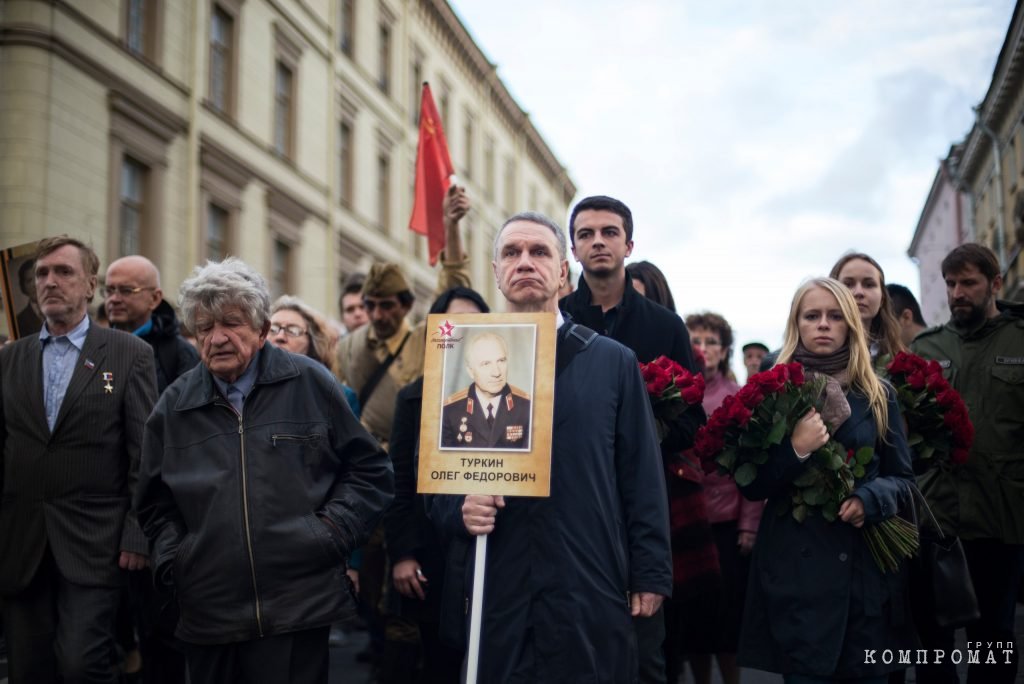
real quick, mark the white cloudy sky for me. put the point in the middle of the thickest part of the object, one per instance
(755, 142)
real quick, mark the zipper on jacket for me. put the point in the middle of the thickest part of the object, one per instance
(248, 529)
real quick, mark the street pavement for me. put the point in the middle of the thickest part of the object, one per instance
(345, 668)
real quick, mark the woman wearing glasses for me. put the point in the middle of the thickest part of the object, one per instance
(734, 520)
(300, 329)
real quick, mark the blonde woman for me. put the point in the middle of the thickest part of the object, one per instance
(816, 600)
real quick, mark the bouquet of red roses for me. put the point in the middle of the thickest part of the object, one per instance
(937, 420)
(739, 436)
(672, 389)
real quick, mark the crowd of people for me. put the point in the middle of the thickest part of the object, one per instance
(215, 493)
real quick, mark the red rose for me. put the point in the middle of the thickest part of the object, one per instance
(656, 379)
(737, 413)
(905, 362)
(796, 374)
(693, 391)
(849, 455)
(771, 381)
(916, 379)
(707, 444)
(935, 382)
(947, 397)
(668, 364)
(750, 396)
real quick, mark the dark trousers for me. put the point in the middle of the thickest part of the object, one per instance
(155, 617)
(293, 658)
(650, 647)
(58, 629)
(995, 572)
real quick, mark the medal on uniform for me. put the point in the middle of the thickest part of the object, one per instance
(463, 428)
(513, 433)
(108, 378)
(469, 437)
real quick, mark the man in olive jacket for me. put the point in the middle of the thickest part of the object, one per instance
(256, 484)
(981, 351)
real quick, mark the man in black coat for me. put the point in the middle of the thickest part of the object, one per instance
(73, 402)
(135, 303)
(565, 573)
(601, 230)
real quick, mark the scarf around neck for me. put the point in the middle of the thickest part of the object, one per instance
(835, 368)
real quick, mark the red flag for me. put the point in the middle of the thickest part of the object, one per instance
(433, 176)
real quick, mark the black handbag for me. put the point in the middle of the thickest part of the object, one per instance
(940, 581)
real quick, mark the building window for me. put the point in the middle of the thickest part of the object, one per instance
(442, 103)
(222, 28)
(131, 219)
(384, 58)
(346, 163)
(280, 268)
(489, 168)
(346, 26)
(218, 232)
(467, 145)
(384, 191)
(141, 22)
(416, 86)
(284, 117)
(510, 185)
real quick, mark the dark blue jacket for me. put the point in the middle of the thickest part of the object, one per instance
(816, 600)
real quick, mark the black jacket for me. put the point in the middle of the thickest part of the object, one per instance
(251, 517)
(650, 330)
(174, 355)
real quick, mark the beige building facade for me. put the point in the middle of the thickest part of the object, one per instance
(280, 131)
(991, 168)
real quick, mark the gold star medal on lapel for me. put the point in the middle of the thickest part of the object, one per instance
(108, 378)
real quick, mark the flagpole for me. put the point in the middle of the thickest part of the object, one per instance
(473, 655)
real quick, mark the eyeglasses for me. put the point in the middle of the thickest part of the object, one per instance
(124, 290)
(707, 342)
(289, 330)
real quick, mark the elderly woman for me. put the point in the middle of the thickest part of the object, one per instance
(816, 600)
(297, 327)
(734, 520)
(865, 279)
(256, 483)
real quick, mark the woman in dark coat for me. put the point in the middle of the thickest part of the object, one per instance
(817, 605)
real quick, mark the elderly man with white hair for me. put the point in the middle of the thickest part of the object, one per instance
(256, 484)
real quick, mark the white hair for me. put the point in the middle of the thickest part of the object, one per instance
(219, 285)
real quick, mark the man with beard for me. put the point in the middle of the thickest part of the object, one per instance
(981, 351)
(601, 231)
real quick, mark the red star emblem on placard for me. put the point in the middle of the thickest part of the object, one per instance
(446, 329)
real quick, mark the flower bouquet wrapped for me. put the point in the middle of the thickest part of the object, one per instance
(672, 389)
(739, 436)
(938, 426)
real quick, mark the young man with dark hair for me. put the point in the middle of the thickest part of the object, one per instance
(601, 231)
(907, 312)
(981, 351)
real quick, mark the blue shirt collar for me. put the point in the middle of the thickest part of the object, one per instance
(144, 329)
(245, 382)
(76, 337)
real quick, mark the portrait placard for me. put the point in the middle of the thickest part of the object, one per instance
(19, 290)
(488, 401)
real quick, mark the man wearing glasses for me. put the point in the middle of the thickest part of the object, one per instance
(135, 303)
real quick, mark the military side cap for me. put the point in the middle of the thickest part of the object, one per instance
(384, 280)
